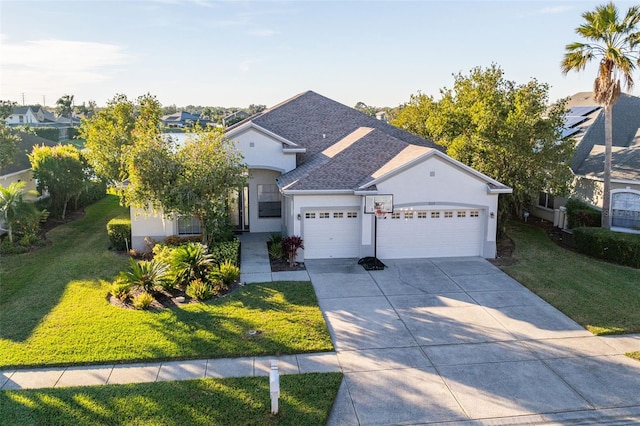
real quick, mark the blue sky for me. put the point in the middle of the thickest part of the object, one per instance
(235, 53)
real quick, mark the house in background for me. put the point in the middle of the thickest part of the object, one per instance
(585, 123)
(234, 117)
(183, 119)
(313, 165)
(20, 169)
(36, 116)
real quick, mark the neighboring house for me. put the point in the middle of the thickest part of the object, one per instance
(33, 115)
(313, 161)
(234, 118)
(585, 122)
(20, 169)
(183, 119)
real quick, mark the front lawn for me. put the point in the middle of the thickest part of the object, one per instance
(602, 297)
(305, 399)
(54, 311)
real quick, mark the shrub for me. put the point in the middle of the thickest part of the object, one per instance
(51, 133)
(174, 240)
(276, 237)
(142, 300)
(7, 247)
(190, 262)
(581, 214)
(119, 231)
(228, 273)
(225, 251)
(95, 191)
(120, 289)
(163, 253)
(617, 247)
(200, 290)
(290, 246)
(275, 250)
(147, 275)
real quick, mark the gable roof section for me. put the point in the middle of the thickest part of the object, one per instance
(588, 159)
(25, 147)
(316, 123)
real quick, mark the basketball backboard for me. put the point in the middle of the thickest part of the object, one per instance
(383, 202)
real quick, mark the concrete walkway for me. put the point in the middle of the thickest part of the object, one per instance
(429, 341)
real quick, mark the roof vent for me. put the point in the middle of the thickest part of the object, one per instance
(324, 136)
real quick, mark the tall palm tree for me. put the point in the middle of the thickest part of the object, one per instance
(615, 43)
(64, 106)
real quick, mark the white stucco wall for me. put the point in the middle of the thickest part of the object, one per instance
(21, 176)
(263, 152)
(257, 224)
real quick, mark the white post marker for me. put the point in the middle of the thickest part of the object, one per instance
(274, 386)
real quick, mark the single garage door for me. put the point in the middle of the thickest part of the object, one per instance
(431, 233)
(331, 233)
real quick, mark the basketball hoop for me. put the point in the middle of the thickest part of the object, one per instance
(381, 214)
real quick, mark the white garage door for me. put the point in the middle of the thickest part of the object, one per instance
(431, 233)
(331, 233)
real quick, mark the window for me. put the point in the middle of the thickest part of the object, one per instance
(395, 215)
(189, 225)
(625, 210)
(352, 215)
(338, 215)
(474, 213)
(422, 215)
(545, 200)
(269, 204)
(21, 118)
(448, 215)
(324, 215)
(408, 215)
(461, 213)
(311, 215)
(435, 215)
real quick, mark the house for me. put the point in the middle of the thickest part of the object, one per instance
(183, 119)
(234, 117)
(20, 169)
(33, 115)
(315, 164)
(585, 123)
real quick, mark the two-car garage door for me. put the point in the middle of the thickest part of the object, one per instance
(403, 234)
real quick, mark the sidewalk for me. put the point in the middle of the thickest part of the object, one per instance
(255, 268)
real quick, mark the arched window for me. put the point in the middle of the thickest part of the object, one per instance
(625, 209)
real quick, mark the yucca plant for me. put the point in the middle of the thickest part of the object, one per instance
(190, 262)
(148, 275)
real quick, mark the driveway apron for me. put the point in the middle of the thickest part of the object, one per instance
(429, 341)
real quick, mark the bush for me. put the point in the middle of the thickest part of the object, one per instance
(225, 251)
(95, 191)
(142, 300)
(120, 289)
(146, 275)
(119, 231)
(7, 247)
(228, 273)
(174, 240)
(191, 261)
(200, 290)
(616, 247)
(275, 250)
(163, 253)
(580, 214)
(290, 246)
(51, 133)
(276, 237)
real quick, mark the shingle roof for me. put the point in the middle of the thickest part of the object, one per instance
(588, 159)
(25, 147)
(316, 122)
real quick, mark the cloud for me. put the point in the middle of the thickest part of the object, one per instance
(58, 65)
(262, 33)
(554, 10)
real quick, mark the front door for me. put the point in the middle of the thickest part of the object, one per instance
(239, 210)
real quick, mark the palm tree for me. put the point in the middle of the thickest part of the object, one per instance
(614, 43)
(12, 205)
(64, 106)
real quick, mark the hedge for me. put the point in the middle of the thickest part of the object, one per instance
(51, 133)
(226, 251)
(617, 247)
(580, 214)
(119, 231)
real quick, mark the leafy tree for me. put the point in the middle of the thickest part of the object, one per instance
(254, 109)
(615, 43)
(194, 179)
(504, 130)
(13, 207)
(64, 106)
(111, 132)
(8, 139)
(62, 172)
(369, 110)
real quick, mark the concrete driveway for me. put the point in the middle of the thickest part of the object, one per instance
(457, 340)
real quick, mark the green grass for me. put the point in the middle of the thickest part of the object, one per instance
(306, 399)
(602, 297)
(54, 310)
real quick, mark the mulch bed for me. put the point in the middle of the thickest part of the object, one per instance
(280, 265)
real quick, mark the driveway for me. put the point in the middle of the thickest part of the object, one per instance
(457, 340)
